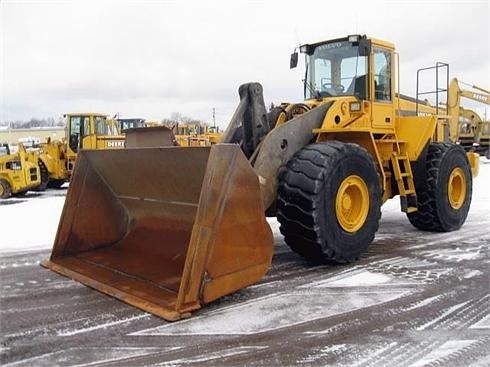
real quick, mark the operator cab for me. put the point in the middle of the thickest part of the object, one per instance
(130, 123)
(82, 126)
(341, 67)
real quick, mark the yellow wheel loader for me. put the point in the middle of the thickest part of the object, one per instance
(17, 173)
(83, 131)
(196, 135)
(169, 229)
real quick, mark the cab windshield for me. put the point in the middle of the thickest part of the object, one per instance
(336, 69)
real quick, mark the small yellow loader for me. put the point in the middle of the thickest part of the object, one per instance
(18, 173)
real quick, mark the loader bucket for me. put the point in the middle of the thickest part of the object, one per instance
(164, 229)
(150, 137)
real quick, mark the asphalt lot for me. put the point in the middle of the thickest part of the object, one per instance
(414, 299)
(406, 303)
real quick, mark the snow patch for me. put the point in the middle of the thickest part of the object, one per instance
(448, 312)
(323, 352)
(444, 350)
(482, 324)
(358, 278)
(78, 357)
(213, 356)
(101, 326)
(423, 303)
(42, 215)
(275, 312)
(362, 278)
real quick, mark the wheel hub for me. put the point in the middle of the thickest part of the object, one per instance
(456, 189)
(352, 203)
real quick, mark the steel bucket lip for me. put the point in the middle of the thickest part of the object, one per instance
(157, 308)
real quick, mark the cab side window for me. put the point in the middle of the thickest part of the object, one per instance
(382, 75)
(75, 122)
(100, 125)
(86, 126)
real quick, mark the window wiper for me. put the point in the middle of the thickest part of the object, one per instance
(311, 89)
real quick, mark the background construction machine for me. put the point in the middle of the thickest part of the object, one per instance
(196, 135)
(18, 173)
(83, 131)
(468, 127)
(195, 230)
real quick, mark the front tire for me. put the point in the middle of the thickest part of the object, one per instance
(444, 194)
(5, 190)
(329, 201)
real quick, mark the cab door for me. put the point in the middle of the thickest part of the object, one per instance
(383, 111)
(88, 133)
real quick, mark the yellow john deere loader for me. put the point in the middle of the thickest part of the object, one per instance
(83, 131)
(18, 173)
(169, 229)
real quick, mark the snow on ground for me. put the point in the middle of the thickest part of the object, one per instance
(433, 324)
(30, 223)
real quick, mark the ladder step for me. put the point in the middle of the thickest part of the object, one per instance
(411, 209)
(408, 203)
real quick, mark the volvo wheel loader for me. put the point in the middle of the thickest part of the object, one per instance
(169, 229)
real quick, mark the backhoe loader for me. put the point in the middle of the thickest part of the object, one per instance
(169, 229)
(18, 173)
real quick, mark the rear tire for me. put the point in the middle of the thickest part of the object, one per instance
(444, 194)
(329, 201)
(5, 190)
(44, 177)
(55, 184)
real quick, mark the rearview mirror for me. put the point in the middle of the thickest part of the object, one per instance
(364, 46)
(293, 62)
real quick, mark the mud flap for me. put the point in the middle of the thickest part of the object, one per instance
(164, 229)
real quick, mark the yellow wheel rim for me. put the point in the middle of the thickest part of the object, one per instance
(352, 203)
(456, 188)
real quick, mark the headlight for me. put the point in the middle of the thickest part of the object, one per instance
(16, 166)
(354, 38)
(355, 106)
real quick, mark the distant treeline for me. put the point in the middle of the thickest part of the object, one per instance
(35, 122)
(176, 118)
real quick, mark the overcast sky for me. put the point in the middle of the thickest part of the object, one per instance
(152, 58)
